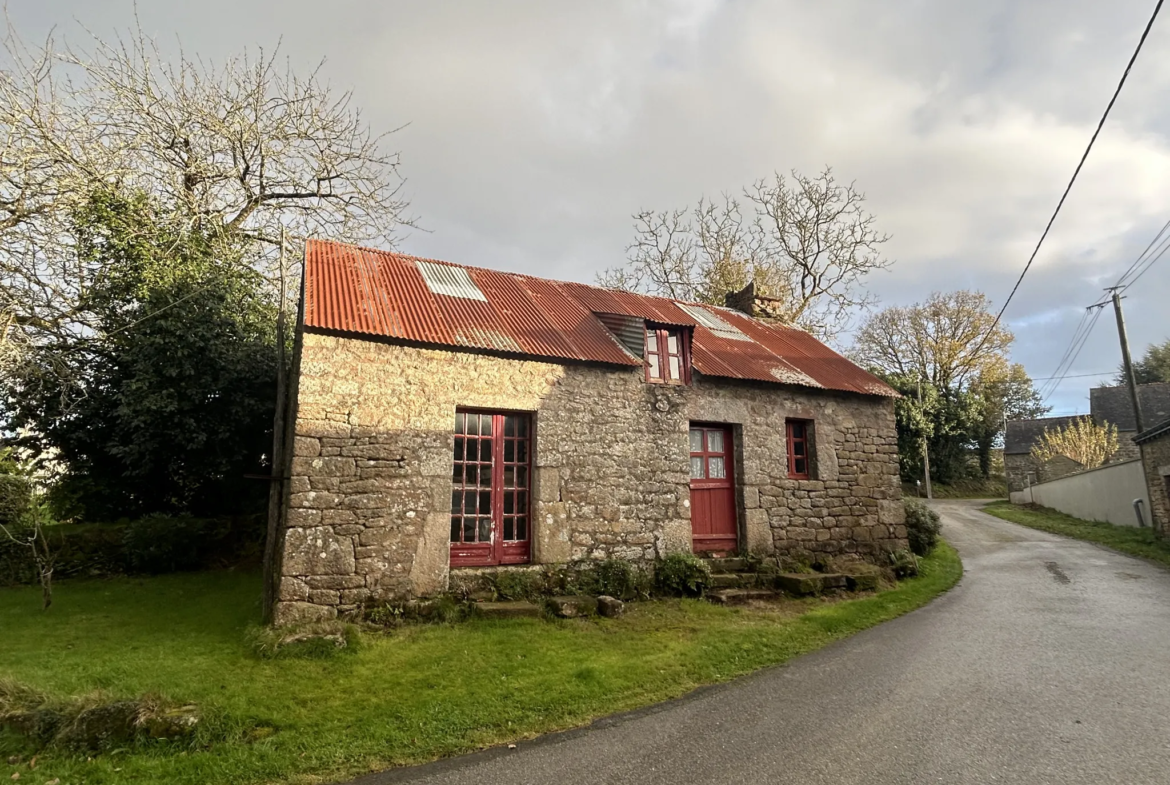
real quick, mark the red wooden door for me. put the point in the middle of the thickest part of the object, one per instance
(713, 520)
(490, 484)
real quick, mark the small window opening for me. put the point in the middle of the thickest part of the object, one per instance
(667, 356)
(799, 452)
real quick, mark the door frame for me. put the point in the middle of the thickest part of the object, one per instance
(731, 460)
(498, 552)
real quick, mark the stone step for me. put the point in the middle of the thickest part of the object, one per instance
(728, 564)
(805, 583)
(509, 610)
(734, 580)
(864, 582)
(742, 596)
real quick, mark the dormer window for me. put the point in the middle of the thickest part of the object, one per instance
(667, 357)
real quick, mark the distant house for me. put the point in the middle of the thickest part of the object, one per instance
(1020, 467)
(1154, 444)
(456, 418)
(1110, 405)
(1115, 406)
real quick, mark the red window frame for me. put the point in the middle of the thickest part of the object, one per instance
(799, 454)
(491, 484)
(657, 346)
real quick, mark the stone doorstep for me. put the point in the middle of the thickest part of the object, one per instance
(863, 582)
(573, 606)
(727, 564)
(509, 610)
(734, 580)
(742, 596)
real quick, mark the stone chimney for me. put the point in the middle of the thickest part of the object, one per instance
(756, 305)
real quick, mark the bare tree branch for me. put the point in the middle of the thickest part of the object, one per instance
(806, 241)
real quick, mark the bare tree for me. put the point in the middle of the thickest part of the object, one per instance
(237, 151)
(806, 241)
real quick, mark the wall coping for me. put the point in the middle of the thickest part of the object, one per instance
(1102, 467)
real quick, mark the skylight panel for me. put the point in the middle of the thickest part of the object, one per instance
(449, 280)
(714, 323)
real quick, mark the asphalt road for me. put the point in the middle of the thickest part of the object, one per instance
(1048, 663)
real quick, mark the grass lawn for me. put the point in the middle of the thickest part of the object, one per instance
(414, 695)
(1127, 539)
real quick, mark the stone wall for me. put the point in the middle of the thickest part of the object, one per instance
(1024, 470)
(1021, 469)
(1156, 462)
(1127, 448)
(369, 512)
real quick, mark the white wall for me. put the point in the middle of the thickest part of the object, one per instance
(1103, 494)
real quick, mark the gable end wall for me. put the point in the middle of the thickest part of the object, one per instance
(369, 511)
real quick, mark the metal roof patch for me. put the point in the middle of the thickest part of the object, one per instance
(713, 322)
(449, 280)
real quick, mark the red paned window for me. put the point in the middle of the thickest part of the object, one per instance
(490, 481)
(667, 358)
(799, 459)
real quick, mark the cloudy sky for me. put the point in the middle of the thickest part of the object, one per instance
(534, 129)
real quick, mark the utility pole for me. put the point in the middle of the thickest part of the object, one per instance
(925, 446)
(1129, 375)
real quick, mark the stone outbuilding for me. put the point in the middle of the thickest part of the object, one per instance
(1154, 444)
(451, 418)
(1107, 406)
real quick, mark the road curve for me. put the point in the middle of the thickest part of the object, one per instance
(1048, 663)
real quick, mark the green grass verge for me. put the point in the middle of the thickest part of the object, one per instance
(995, 488)
(415, 695)
(1127, 539)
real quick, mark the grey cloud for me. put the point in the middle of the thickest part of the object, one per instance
(536, 128)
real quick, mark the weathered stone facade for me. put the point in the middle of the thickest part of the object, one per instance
(369, 512)
(1156, 461)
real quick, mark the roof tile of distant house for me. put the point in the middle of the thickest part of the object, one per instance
(1113, 405)
(425, 301)
(1023, 434)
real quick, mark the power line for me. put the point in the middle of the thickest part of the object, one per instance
(1097, 310)
(1074, 376)
(1138, 261)
(1150, 263)
(1077, 171)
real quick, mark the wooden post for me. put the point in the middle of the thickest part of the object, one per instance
(1130, 379)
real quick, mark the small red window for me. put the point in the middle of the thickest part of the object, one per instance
(799, 459)
(667, 358)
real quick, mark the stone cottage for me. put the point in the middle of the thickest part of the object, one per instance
(451, 417)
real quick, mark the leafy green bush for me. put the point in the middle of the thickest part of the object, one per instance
(903, 563)
(165, 543)
(613, 577)
(517, 584)
(15, 499)
(444, 609)
(922, 527)
(682, 575)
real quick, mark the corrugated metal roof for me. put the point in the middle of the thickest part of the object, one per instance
(371, 292)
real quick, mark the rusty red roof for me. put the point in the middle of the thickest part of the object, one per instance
(380, 293)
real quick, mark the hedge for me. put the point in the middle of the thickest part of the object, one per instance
(152, 545)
